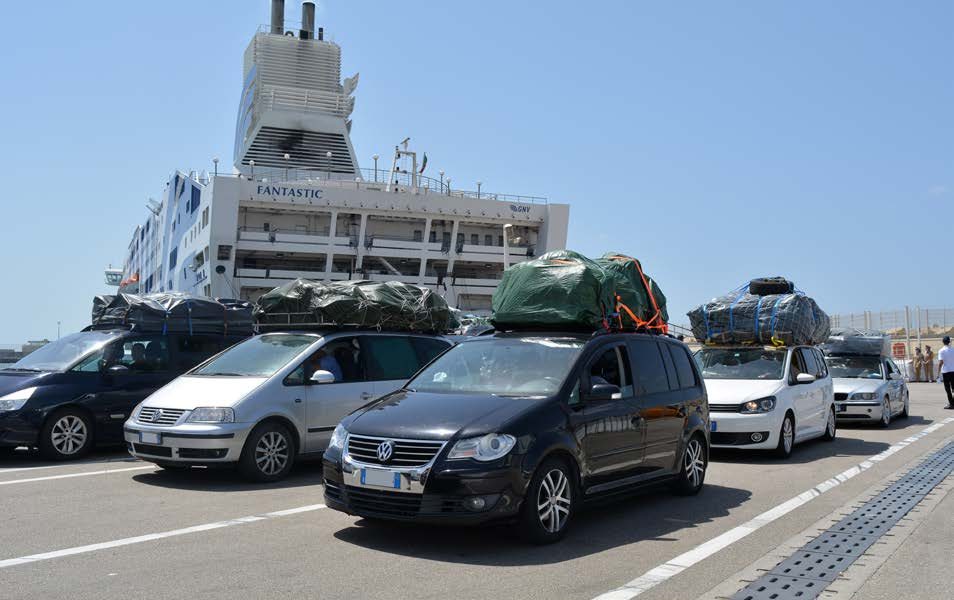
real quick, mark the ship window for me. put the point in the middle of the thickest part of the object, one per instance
(500, 240)
(460, 238)
(196, 197)
(488, 240)
(474, 239)
(173, 256)
(266, 226)
(418, 235)
(224, 252)
(433, 237)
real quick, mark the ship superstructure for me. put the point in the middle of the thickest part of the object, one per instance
(297, 204)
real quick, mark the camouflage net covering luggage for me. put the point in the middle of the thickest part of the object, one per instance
(774, 319)
(390, 305)
(850, 341)
(173, 312)
(565, 290)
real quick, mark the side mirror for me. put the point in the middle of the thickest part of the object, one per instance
(803, 378)
(896, 376)
(322, 376)
(603, 391)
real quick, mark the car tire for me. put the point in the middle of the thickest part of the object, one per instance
(831, 427)
(66, 435)
(786, 437)
(549, 504)
(885, 413)
(269, 453)
(695, 463)
(905, 412)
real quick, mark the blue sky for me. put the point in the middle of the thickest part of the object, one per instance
(716, 141)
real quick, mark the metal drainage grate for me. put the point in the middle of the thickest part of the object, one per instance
(807, 572)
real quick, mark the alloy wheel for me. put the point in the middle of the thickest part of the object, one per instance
(553, 500)
(831, 423)
(271, 453)
(885, 412)
(694, 463)
(69, 435)
(788, 434)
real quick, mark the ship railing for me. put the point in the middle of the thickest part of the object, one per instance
(377, 179)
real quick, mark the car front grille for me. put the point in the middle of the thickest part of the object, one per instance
(725, 408)
(395, 504)
(841, 396)
(407, 453)
(159, 416)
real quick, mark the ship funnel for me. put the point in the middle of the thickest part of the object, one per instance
(278, 16)
(307, 20)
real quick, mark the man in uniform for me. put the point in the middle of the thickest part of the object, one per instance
(917, 362)
(928, 364)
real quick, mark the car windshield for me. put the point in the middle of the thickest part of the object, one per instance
(531, 366)
(63, 353)
(855, 367)
(740, 363)
(260, 356)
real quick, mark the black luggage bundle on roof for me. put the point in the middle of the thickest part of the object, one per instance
(390, 305)
(565, 290)
(173, 312)
(858, 342)
(776, 317)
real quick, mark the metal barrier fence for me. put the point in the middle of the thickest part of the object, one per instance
(908, 321)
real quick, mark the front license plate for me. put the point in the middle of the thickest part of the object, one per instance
(713, 426)
(147, 437)
(842, 408)
(381, 478)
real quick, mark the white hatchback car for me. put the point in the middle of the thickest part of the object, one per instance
(767, 398)
(275, 396)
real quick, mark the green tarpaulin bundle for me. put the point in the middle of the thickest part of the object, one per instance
(566, 290)
(389, 305)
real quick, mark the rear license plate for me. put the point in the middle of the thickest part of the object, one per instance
(713, 426)
(381, 478)
(147, 437)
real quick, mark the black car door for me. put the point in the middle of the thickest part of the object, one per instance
(610, 430)
(660, 402)
(130, 369)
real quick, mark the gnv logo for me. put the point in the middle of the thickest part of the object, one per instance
(385, 450)
(519, 209)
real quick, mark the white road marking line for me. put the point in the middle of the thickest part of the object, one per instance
(13, 562)
(68, 464)
(83, 474)
(661, 573)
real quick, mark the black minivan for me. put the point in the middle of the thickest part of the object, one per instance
(77, 391)
(525, 426)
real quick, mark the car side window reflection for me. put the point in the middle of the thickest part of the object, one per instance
(612, 367)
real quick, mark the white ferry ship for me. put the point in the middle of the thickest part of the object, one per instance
(297, 204)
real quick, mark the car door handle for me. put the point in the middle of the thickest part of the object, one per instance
(365, 396)
(636, 420)
(297, 400)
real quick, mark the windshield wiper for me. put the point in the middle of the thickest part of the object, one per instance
(22, 370)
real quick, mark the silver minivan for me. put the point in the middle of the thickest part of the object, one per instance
(271, 398)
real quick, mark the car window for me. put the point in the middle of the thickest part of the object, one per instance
(797, 366)
(389, 358)
(650, 369)
(574, 397)
(808, 362)
(192, 350)
(822, 365)
(427, 349)
(670, 368)
(140, 355)
(612, 366)
(687, 375)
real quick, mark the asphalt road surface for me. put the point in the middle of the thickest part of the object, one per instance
(111, 527)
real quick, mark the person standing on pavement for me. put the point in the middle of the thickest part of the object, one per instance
(917, 362)
(928, 364)
(946, 367)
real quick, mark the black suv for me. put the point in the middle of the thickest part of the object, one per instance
(524, 426)
(77, 391)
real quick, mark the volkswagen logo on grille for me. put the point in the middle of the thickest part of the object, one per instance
(385, 450)
(157, 416)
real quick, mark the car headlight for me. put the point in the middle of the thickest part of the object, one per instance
(211, 414)
(863, 396)
(337, 438)
(485, 448)
(762, 405)
(16, 400)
